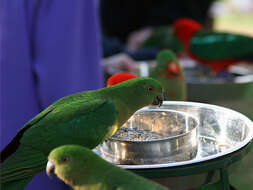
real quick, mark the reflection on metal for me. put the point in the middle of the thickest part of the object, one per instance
(221, 131)
(224, 137)
(153, 136)
(235, 93)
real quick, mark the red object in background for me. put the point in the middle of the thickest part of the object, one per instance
(185, 29)
(173, 70)
(118, 78)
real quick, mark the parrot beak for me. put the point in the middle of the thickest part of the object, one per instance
(158, 100)
(50, 169)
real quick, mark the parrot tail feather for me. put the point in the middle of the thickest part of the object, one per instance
(16, 185)
(14, 144)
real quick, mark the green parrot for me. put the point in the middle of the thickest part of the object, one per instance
(82, 169)
(163, 38)
(218, 50)
(86, 119)
(169, 73)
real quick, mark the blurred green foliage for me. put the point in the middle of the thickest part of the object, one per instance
(163, 38)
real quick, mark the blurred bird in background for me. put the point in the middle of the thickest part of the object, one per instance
(218, 50)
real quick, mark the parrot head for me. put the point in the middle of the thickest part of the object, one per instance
(118, 78)
(132, 95)
(184, 28)
(167, 65)
(145, 88)
(144, 91)
(71, 163)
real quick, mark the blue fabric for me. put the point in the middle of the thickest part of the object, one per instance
(48, 49)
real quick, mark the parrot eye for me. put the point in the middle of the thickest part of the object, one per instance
(150, 89)
(65, 158)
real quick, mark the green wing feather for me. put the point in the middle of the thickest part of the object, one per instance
(213, 46)
(163, 38)
(86, 123)
(82, 122)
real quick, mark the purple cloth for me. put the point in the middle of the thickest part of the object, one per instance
(48, 49)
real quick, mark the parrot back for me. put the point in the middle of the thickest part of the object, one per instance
(212, 46)
(126, 180)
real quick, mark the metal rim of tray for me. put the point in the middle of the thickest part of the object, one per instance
(199, 160)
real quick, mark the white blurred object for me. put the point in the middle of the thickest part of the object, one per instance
(228, 6)
(242, 6)
(242, 69)
(186, 62)
(136, 38)
(219, 8)
(143, 69)
(119, 63)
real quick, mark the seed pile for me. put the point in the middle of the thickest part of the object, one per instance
(135, 134)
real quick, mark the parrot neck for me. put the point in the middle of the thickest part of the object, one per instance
(124, 107)
(90, 174)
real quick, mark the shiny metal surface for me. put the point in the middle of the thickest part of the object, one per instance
(233, 92)
(153, 136)
(221, 131)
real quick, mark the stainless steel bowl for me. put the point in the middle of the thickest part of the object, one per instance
(221, 131)
(153, 136)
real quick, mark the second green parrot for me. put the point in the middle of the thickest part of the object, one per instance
(82, 169)
(86, 119)
(169, 73)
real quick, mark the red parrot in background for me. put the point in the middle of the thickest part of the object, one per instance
(218, 50)
(118, 78)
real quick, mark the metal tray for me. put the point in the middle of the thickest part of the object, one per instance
(221, 132)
